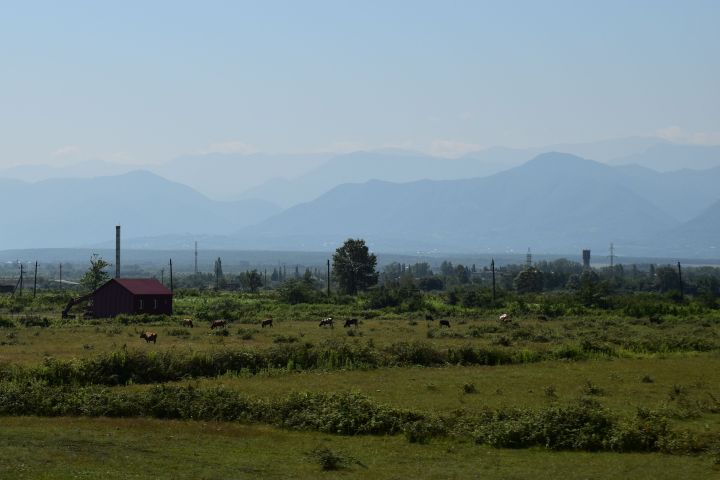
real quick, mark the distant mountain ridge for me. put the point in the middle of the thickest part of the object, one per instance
(557, 201)
(71, 212)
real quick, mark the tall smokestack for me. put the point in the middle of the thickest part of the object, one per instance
(117, 251)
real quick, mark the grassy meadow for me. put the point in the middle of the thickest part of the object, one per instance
(398, 396)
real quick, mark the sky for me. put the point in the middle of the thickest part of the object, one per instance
(142, 82)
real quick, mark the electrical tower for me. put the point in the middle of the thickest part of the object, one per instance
(528, 259)
(612, 256)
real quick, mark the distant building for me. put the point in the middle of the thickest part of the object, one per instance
(132, 296)
(586, 258)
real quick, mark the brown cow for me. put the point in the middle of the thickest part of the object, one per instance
(218, 324)
(187, 323)
(149, 337)
(267, 323)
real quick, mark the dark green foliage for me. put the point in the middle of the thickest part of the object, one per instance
(297, 291)
(354, 266)
(246, 334)
(469, 388)
(34, 321)
(407, 297)
(6, 323)
(251, 280)
(328, 459)
(584, 425)
(529, 280)
(428, 284)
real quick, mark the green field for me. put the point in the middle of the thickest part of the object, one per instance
(66, 416)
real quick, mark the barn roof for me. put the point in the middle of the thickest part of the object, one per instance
(142, 286)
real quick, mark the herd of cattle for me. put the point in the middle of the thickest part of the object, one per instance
(268, 322)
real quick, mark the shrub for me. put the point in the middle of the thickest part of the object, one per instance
(328, 459)
(34, 321)
(469, 388)
(246, 334)
(297, 291)
(589, 388)
(6, 323)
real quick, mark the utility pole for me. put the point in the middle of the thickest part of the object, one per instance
(61, 285)
(682, 294)
(22, 271)
(171, 277)
(328, 278)
(117, 251)
(35, 281)
(492, 268)
(528, 259)
(196, 270)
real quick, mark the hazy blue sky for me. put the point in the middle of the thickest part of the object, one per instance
(146, 81)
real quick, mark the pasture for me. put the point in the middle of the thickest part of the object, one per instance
(442, 401)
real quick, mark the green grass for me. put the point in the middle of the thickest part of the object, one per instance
(617, 336)
(69, 448)
(441, 389)
(668, 366)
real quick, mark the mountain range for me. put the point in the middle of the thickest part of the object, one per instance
(289, 179)
(82, 211)
(555, 202)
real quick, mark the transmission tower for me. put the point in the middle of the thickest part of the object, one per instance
(528, 259)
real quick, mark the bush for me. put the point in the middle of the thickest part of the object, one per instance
(328, 459)
(34, 321)
(246, 334)
(469, 388)
(297, 291)
(6, 323)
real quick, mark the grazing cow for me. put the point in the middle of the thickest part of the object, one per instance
(505, 318)
(149, 337)
(326, 322)
(218, 324)
(350, 322)
(444, 323)
(267, 323)
(187, 323)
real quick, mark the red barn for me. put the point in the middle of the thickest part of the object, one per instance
(132, 296)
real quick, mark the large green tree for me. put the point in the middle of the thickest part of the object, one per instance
(529, 280)
(96, 274)
(354, 266)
